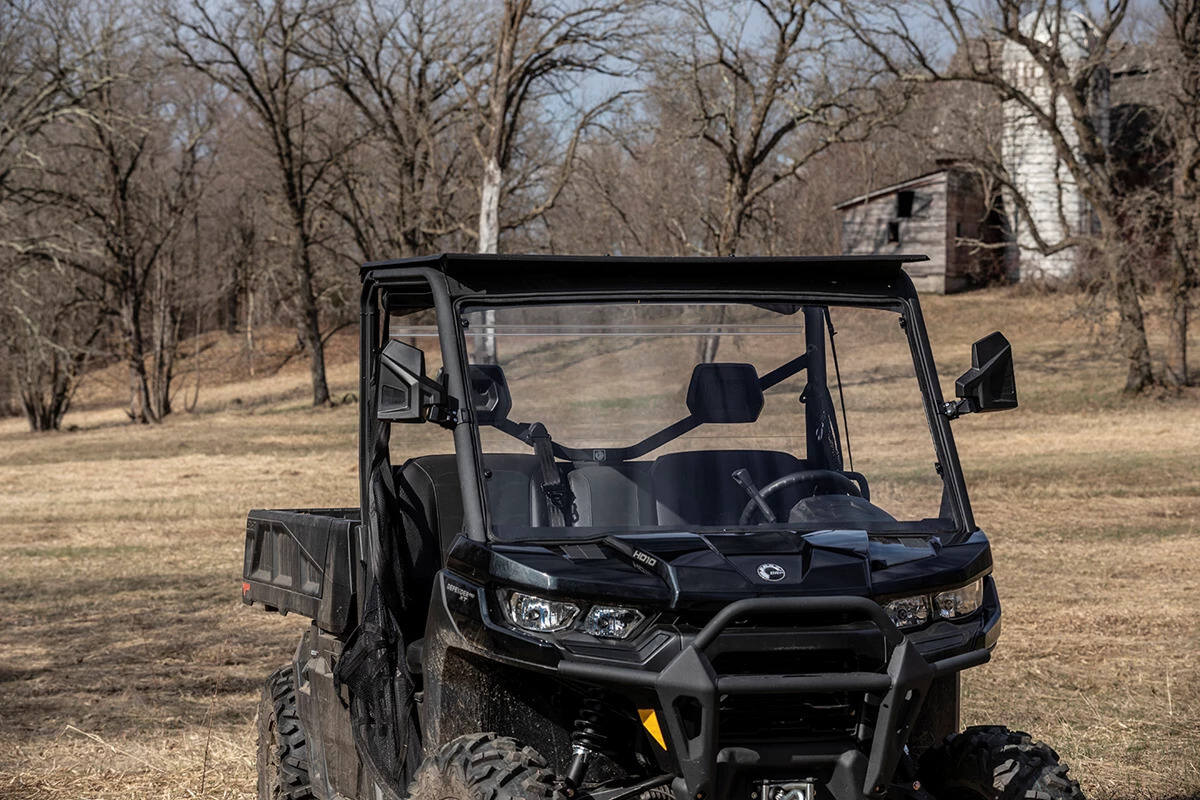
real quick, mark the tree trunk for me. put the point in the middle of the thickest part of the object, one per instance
(141, 409)
(1177, 373)
(489, 207)
(489, 242)
(1183, 273)
(232, 298)
(250, 328)
(1131, 329)
(310, 325)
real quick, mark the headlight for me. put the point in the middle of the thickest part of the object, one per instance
(538, 614)
(611, 622)
(959, 602)
(908, 612)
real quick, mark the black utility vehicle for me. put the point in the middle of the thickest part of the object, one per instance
(672, 528)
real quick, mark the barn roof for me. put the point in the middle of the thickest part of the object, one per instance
(893, 188)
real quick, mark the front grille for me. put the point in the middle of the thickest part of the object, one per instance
(793, 661)
(808, 717)
(749, 719)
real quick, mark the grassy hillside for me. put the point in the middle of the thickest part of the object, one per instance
(129, 667)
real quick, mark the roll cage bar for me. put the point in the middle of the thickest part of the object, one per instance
(448, 283)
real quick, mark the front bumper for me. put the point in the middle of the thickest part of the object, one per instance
(690, 681)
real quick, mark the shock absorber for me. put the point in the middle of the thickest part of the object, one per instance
(589, 737)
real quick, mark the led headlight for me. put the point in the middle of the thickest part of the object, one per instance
(611, 622)
(538, 614)
(908, 612)
(959, 602)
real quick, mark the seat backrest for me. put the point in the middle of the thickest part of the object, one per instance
(430, 485)
(697, 488)
(613, 495)
(692, 488)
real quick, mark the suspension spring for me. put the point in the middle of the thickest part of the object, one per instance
(589, 737)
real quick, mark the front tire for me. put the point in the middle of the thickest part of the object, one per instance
(485, 766)
(994, 763)
(282, 746)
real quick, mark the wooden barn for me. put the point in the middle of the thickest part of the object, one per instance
(933, 214)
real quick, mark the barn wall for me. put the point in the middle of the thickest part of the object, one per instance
(865, 230)
(966, 214)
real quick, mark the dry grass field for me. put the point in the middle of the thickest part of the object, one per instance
(130, 669)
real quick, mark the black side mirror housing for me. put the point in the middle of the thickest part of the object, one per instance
(404, 393)
(989, 385)
(489, 393)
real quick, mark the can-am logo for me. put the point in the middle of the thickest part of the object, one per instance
(648, 560)
(771, 572)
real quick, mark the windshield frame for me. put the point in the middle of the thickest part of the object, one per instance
(911, 320)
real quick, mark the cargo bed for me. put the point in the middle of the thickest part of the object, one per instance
(302, 560)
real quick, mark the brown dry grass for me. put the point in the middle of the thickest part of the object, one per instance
(129, 668)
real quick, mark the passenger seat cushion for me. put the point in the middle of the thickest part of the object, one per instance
(697, 487)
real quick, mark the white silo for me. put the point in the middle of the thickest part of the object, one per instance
(1055, 205)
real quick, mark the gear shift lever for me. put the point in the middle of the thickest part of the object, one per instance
(742, 478)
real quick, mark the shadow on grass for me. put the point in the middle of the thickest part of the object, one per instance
(111, 655)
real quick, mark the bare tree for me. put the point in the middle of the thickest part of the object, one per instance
(760, 84)
(1183, 115)
(757, 84)
(41, 77)
(108, 193)
(261, 51)
(50, 323)
(400, 67)
(536, 48)
(1062, 97)
(40, 83)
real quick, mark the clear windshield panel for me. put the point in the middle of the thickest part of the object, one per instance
(682, 416)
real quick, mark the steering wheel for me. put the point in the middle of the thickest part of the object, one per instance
(758, 498)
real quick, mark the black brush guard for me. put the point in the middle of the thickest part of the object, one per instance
(690, 679)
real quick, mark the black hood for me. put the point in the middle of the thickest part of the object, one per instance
(686, 569)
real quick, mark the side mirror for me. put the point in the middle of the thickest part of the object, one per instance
(488, 390)
(405, 393)
(989, 385)
(489, 393)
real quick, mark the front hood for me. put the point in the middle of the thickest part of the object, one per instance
(683, 569)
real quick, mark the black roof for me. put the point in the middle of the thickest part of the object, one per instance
(537, 274)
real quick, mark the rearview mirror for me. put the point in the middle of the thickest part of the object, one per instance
(989, 385)
(724, 393)
(405, 393)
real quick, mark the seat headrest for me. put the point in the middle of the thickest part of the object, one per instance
(724, 392)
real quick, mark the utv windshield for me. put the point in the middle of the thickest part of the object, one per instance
(611, 417)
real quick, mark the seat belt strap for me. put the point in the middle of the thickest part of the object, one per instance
(557, 491)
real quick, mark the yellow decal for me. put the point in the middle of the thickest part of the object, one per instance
(650, 723)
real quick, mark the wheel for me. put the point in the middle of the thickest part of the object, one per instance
(282, 748)
(485, 766)
(994, 763)
(658, 793)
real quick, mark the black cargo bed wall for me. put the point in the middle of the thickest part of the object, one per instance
(301, 560)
